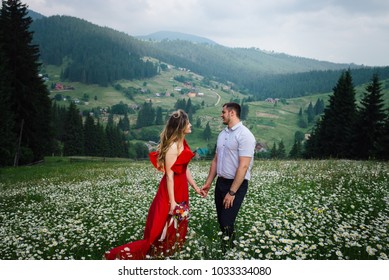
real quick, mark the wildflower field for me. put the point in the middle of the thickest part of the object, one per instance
(334, 209)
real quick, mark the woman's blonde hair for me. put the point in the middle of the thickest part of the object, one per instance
(172, 132)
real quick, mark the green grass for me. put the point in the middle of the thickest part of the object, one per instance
(63, 209)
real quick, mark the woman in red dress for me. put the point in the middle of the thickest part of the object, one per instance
(163, 236)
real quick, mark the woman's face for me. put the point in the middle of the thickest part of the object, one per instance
(188, 128)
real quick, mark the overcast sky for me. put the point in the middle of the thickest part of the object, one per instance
(342, 31)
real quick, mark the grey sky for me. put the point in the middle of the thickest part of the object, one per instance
(344, 31)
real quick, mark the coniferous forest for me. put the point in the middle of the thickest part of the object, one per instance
(33, 126)
(94, 55)
(350, 131)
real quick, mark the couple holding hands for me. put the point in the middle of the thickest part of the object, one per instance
(166, 225)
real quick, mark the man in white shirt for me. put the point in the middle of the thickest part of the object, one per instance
(232, 165)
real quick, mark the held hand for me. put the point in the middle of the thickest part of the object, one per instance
(198, 190)
(228, 201)
(172, 207)
(204, 190)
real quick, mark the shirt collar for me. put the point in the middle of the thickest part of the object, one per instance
(234, 127)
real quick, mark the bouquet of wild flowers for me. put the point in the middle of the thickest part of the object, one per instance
(181, 212)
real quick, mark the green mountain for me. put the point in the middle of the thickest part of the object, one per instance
(104, 67)
(173, 36)
(99, 55)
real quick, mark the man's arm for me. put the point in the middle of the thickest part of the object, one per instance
(244, 163)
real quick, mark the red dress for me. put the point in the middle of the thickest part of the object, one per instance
(156, 243)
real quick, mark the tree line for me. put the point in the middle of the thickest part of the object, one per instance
(345, 129)
(348, 130)
(90, 54)
(89, 137)
(86, 134)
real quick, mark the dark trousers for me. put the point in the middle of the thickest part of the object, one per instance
(226, 217)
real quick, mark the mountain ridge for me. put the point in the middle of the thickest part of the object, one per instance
(249, 70)
(173, 35)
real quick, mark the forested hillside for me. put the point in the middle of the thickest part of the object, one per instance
(125, 87)
(259, 73)
(170, 35)
(100, 55)
(91, 54)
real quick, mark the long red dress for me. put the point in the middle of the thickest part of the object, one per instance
(154, 243)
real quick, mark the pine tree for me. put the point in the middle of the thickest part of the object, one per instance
(146, 115)
(90, 137)
(370, 120)
(296, 152)
(332, 135)
(58, 118)
(58, 114)
(207, 133)
(159, 117)
(301, 122)
(8, 137)
(244, 113)
(141, 150)
(273, 151)
(311, 147)
(319, 107)
(198, 122)
(124, 123)
(310, 113)
(102, 141)
(281, 153)
(299, 136)
(189, 107)
(117, 145)
(180, 104)
(74, 134)
(29, 100)
(382, 143)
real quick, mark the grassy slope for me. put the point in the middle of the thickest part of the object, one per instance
(268, 122)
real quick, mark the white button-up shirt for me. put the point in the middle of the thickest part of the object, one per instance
(233, 143)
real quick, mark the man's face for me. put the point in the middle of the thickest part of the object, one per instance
(226, 115)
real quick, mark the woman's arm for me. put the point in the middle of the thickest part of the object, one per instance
(211, 175)
(191, 182)
(170, 159)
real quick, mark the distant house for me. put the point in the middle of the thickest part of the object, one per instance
(201, 152)
(200, 94)
(260, 148)
(151, 145)
(192, 94)
(59, 86)
(272, 100)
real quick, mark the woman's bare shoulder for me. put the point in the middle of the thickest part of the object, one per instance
(173, 149)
